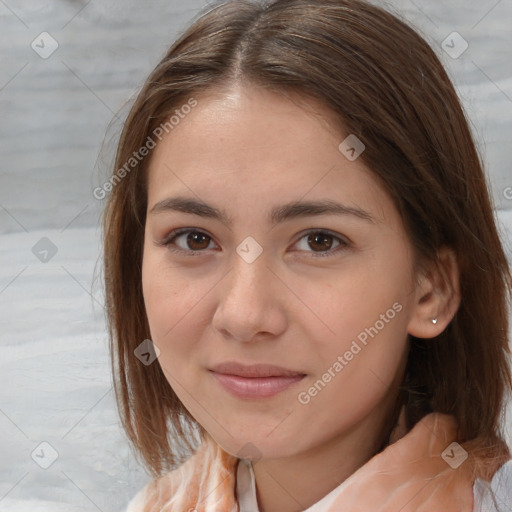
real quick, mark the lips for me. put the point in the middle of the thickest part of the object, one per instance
(254, 381)
(254, 370)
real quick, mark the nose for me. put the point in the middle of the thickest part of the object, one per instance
(251, 305)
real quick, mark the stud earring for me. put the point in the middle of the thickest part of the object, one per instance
(434, 321)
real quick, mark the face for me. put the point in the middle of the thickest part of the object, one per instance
(277, 275)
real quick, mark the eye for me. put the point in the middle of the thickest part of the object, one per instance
(318, 242)
(321, 242)
(188, 240)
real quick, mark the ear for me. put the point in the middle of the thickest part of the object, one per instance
(437, 296)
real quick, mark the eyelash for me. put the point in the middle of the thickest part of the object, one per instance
(168, 241)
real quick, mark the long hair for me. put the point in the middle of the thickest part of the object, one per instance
(384, 84)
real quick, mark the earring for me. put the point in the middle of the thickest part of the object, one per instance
(434, 321)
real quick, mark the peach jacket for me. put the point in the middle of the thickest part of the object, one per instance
(420, 472)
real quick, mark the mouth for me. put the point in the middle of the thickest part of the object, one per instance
(254, 381)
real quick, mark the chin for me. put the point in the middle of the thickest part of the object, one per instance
(255, 445)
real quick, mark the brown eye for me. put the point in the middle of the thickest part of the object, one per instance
(188, 240)
(197, 241)
(320, 241)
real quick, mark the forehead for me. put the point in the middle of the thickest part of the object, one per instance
(251, 148)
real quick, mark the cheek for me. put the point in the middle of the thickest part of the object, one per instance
(178, 309)
(348, 304)
(356, 366)
(165, 306)
(168, 298)
(360, 335)
(365, 352)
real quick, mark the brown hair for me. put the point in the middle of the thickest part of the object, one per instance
(385, 85)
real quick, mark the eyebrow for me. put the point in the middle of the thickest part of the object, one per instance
(292, 210)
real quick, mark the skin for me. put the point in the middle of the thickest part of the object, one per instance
(300, 305)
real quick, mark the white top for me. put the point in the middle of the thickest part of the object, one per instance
(501, 487)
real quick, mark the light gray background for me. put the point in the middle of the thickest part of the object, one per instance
(55, 382)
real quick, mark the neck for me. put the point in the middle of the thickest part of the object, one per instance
(294, 483)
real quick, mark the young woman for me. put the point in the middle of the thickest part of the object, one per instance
(299, 228)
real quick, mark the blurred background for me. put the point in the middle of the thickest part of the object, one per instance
(68, 72)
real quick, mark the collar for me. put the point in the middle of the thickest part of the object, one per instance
(424, 470)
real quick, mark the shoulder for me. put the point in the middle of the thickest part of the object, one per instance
(206, 479)
(138, 502)
(496, 495)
